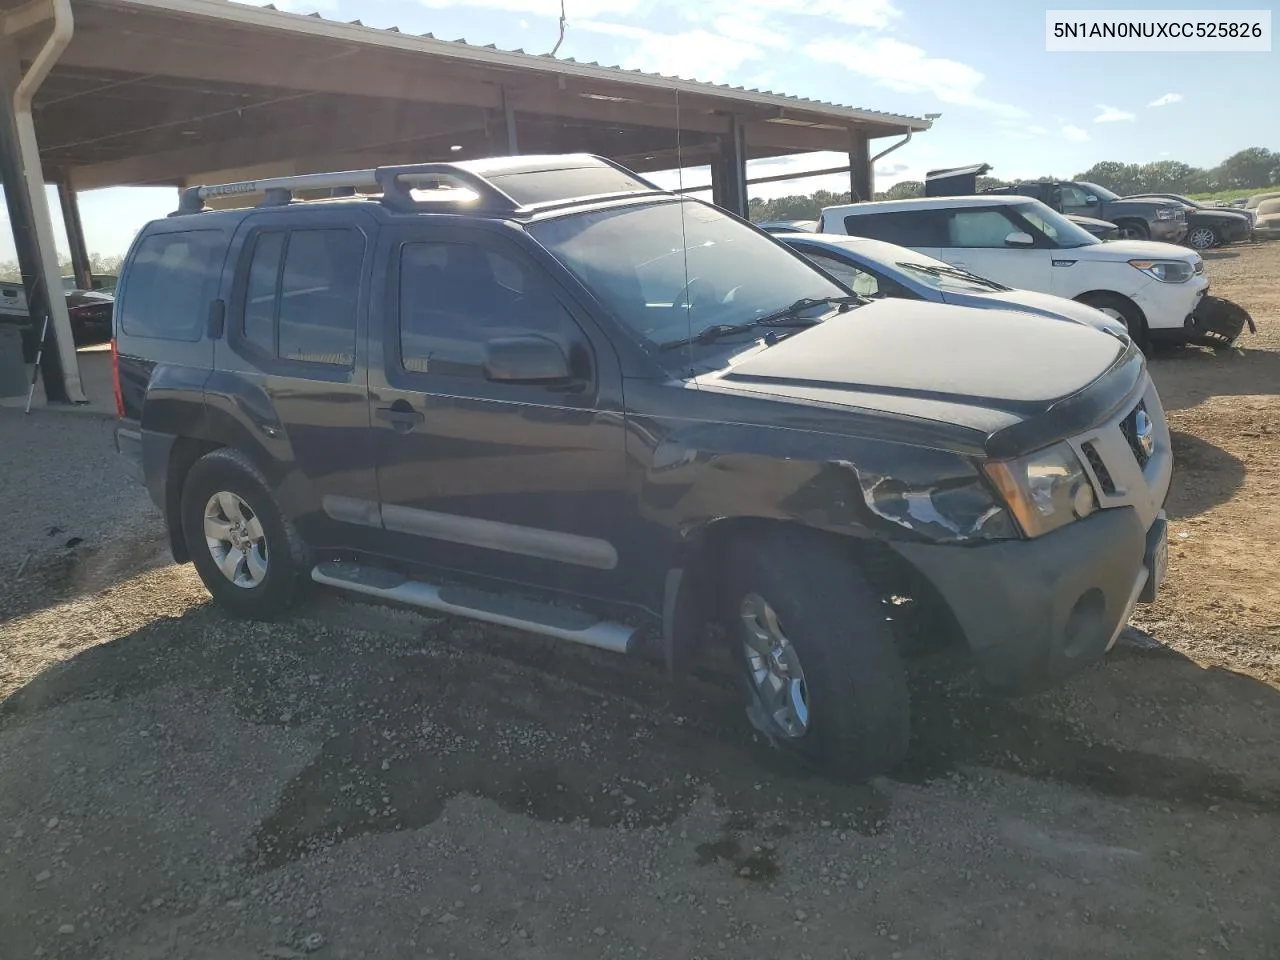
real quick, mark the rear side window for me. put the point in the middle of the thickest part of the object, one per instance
(172, 279)
(302, 293)
(907, 228)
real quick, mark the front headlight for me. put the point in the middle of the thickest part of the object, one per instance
(1165, 213)
(1166, 271)
(1044, 490)
(940, 496)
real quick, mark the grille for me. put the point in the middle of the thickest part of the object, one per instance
(1099, 468)
(1129, 427)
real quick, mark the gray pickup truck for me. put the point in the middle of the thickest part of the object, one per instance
(1137, 219)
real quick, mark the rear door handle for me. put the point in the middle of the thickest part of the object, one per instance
(402, 417)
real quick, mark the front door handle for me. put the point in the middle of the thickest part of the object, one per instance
(401, 415)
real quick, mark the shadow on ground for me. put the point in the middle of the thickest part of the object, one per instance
(405, 720)
(1204, 476)
(1187, 376)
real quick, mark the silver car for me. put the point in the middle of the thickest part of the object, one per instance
(874, 268)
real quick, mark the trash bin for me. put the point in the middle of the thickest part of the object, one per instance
(13, 372)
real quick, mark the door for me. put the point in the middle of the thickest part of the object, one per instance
(977, 240)
(519, 482)
(292, 371)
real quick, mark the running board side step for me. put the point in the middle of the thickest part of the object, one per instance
(504, 611)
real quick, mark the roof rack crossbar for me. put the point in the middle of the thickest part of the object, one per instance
(396, 182)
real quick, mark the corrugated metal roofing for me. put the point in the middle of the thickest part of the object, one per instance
(623, 73)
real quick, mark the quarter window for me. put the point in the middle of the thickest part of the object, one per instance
(172, 279)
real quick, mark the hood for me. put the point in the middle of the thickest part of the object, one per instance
(83, 298)
(1222, 216)
(1146, 203)
(981, 369)
(1129, 250)
(1043, 304)
(1090, 221)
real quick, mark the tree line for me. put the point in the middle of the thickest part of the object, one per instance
(1254, 167)
(98, 264)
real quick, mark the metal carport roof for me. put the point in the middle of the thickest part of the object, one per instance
(182, 91)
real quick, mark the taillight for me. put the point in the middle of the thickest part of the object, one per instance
(115, 379)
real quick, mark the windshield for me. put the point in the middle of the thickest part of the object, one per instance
(633, 259)
(1055, 226)
(1102, 193)
(943, 276)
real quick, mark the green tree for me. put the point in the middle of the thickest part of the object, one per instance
(1254, 167)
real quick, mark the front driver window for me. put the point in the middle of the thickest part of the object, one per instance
(859, 281)
(979, 228)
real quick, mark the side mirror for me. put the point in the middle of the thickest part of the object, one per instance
(1091, 199)
(1019, 239)
(526, 359)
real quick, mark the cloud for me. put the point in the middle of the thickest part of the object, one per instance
(1111, 114)
(1072, 132)
(1167, 99)
(909, 69)
(694, 54)
(1037, 130)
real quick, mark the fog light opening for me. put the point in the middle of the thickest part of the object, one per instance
(1085, 624)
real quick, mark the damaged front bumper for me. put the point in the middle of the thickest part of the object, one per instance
(1036, 611)
(1217, 322)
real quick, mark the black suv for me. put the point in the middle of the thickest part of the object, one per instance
(544, 393)
(1138, 218)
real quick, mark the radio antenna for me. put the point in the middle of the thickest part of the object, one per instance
(560, 39)
(684, 242)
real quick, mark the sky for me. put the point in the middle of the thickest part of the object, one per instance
(1004, 100)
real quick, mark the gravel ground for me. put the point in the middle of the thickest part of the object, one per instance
(358, 782)
(49, 504)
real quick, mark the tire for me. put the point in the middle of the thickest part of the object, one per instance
(1134, 230)
(269, 579)
(1124, 310)
(1203, 238)
(852, 682)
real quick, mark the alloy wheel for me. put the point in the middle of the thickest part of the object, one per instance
(773, 667)
(235, 539)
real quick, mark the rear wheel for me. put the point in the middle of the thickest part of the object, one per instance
(1122, 309)
(821, 672)
(1202, 238)
(247, 553)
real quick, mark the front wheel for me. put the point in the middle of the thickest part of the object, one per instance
(1134, 230)
(247, 553)
(820, 668)
(1122, 309)
(1202, 238)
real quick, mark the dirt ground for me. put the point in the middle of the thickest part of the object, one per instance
(363, 783)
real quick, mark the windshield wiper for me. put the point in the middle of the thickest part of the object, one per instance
(786, 317)
(955, 272)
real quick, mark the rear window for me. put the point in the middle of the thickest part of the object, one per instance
(172, 279)
(906, 228)
(301, 295)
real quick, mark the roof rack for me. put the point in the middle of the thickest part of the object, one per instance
(395, 182)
